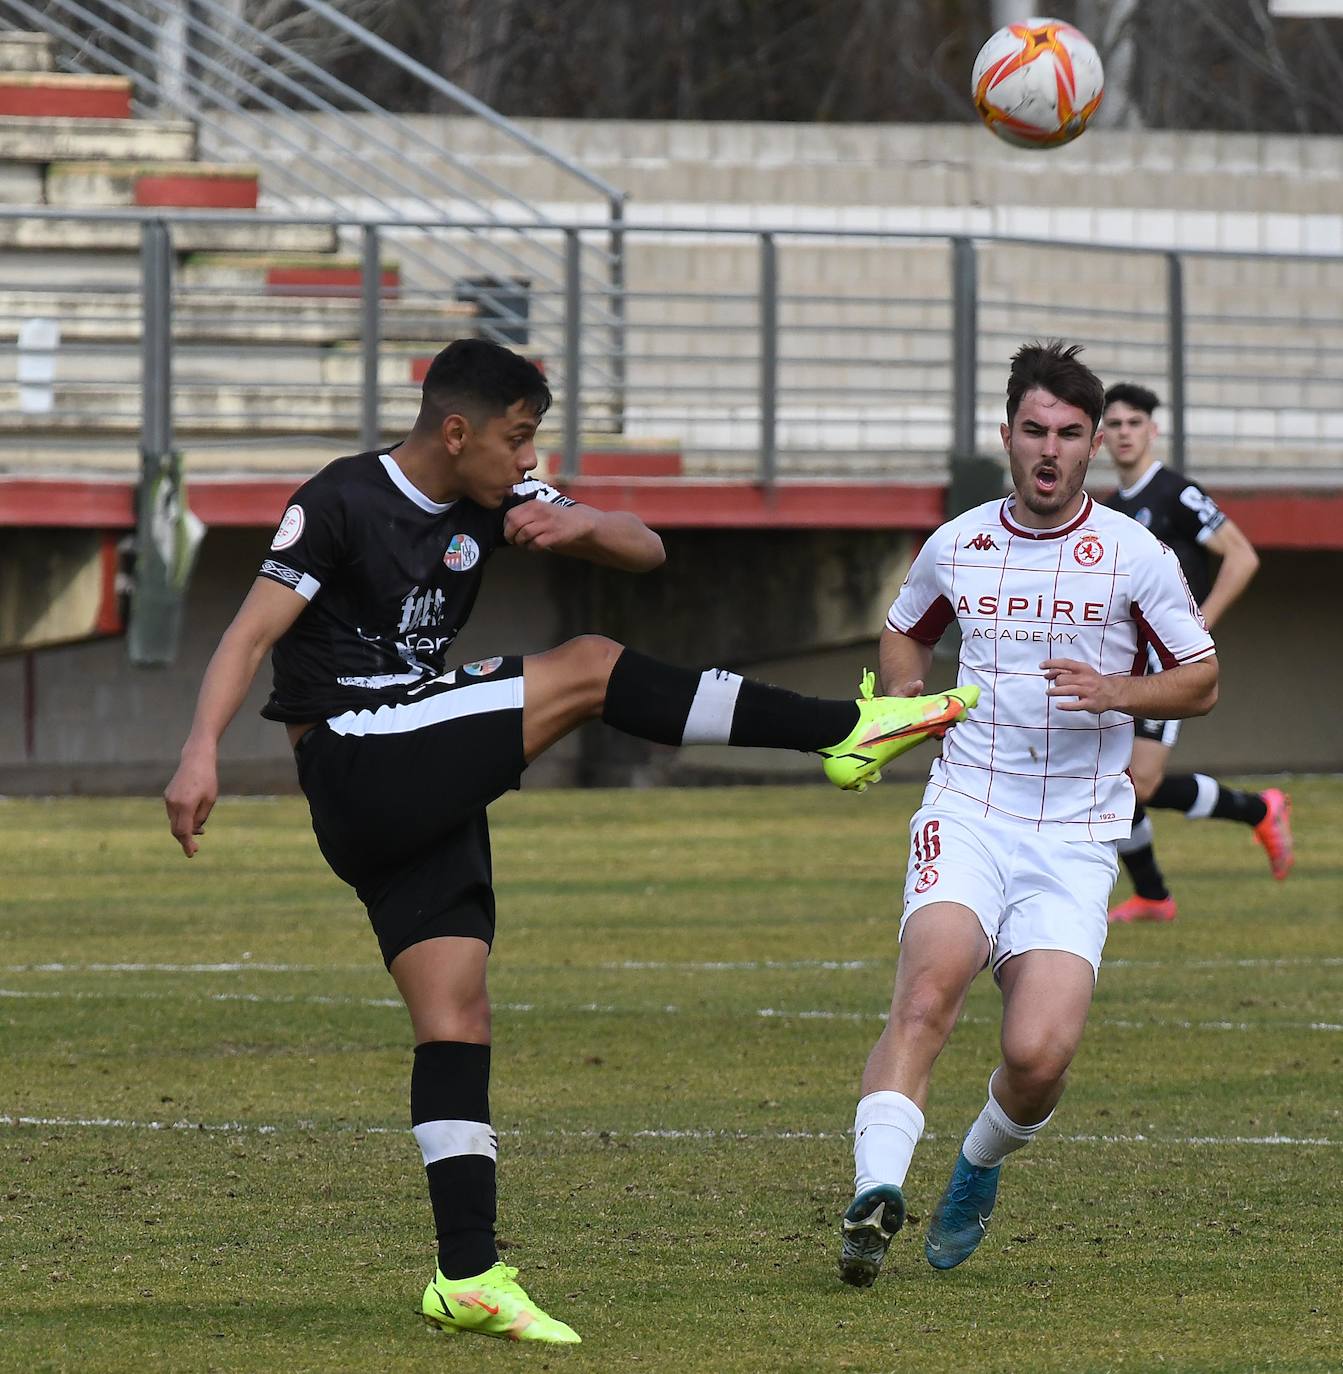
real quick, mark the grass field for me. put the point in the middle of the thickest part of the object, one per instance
(204, 1160)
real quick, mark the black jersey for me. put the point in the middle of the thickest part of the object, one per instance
(1181, 514)
(390, 578)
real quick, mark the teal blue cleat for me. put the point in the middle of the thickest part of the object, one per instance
(870, 1223)
(962, 1214)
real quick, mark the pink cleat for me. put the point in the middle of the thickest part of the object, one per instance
(1274, 832)
(1143, 909)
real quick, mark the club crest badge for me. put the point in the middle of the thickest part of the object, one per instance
(462, 554)
(927, 878)
(1088, 551)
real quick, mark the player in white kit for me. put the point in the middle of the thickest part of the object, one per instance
(1012, 853)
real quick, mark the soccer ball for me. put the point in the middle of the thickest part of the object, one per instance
(1037, 84)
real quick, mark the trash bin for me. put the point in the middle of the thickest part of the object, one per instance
(501, 306)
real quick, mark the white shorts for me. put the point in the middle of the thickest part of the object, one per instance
(1029, 891)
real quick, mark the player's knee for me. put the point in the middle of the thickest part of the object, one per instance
(593, 655)
(1036, 1068)
(926, 1011)
(466, 1022)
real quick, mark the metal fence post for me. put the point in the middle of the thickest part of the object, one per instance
(167, 534)
(1175, 345)
(573, 353)
(617, 282)
(769, 359)
(370, 427)
(156, 436)
(974, 478)
(964, 359)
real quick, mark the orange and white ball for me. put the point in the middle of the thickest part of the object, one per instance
(1037, 84)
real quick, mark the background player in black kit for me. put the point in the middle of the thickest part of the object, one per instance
(1184, 517)
(371, 575)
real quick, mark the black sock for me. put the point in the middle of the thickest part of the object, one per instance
(671, 705)
(450, 1114)
(1201, 797)
(1234, 805)
(780, 719)
(1175, 794)
(1140, 859)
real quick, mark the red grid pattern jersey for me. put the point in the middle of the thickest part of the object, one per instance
(1100, 590)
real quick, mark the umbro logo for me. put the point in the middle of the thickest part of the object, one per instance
(981, 541)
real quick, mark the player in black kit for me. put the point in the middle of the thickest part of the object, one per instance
(1184, 517)
(371, 575)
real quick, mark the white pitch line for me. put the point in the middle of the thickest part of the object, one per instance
(667, 1009)
(68, 1123)
(654, 966)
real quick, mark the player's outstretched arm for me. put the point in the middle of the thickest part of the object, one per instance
(268, 611)
(615, 539)
(1190, 689)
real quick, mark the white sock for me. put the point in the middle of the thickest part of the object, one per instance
(886, 1128)
(995, 1135)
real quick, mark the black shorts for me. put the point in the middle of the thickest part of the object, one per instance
(1158, 731)
(398, 797)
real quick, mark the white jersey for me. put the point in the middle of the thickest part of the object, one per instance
(1101, 590)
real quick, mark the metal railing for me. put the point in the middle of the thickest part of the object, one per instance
(322, 147)
(757, 355)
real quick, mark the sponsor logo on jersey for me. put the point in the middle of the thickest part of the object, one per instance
(1034, 608)
(981, 542)
(462, 553)
(291, 577)
(1088, 551)
(482, 667)
(291, 528)
(421, 610)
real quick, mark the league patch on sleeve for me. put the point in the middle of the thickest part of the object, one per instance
(290, 530)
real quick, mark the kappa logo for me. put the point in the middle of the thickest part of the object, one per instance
(981, 542)
(1088, 551)
(462, 553)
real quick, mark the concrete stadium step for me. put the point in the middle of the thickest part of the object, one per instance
(203, 408)
(339, 366)
(25, 52)
(52, 139)
(114, 317)
(188, 236)
(198, 185)
(64, 95)
(399, 364)
(276, 274)
(20, 183)
(121, 365)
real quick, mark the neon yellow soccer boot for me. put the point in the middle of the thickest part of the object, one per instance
(491, 1304)
(890, 726)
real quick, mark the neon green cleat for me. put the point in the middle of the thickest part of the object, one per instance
(890, 726)
(491, 1304)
